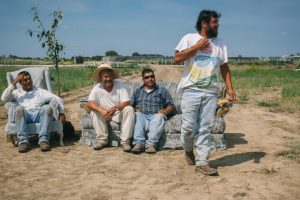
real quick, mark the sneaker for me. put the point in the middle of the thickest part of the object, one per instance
(206, 170)
(138, 148)
(99, 145)
(23, 148)
(150, 148)
(126, 147)
(44, 146)
(190, 158)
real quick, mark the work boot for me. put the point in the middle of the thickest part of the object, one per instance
(23, 148)
(150, 148)
(44, 146)
(126, 147)
(190, 158)
(99, 145)
(138, 148)
(206, 170)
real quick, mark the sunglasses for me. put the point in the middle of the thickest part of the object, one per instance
(147, 77)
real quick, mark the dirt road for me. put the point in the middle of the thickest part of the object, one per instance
(249, 168)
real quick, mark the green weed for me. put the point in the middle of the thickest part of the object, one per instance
(293, 151)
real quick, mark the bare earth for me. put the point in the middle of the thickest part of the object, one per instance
(249, 169)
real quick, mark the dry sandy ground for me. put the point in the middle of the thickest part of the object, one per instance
(249, 169)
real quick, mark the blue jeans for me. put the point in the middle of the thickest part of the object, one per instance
(154, 124)
(198, 114)
(42, 116)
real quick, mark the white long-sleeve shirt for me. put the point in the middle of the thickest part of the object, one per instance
(31, 100)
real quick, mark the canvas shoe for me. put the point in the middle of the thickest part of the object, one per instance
(23, 148)
(99, 145)
(44, 146)
(126, 147)
(206, 170)
(150, 148)
(190, 157)
(138, 148)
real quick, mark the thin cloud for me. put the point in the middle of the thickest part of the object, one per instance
(66, 5)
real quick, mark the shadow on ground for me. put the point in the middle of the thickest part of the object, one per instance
(235, 139)
(238, 158)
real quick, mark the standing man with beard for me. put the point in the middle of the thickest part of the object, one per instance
(109, 101)
(204, 56)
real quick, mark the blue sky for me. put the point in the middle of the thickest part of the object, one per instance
(91, 27)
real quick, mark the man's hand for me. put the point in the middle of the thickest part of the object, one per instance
(112, 111)
(105, 113)
(109, 113)
(162, 111)
(181, 56)
(202, 44)
(232, 96)
(18, 79)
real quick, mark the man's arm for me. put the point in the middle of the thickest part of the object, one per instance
(48, 96)
(168, 102)
(168, 110)
(181, 56)
(119, 107)
(96, 107)
(7, 94)
(227, 78)
(122, 105)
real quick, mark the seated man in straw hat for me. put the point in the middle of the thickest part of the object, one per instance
(109, 101)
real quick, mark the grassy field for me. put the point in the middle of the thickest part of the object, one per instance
(274, 88)
(271, 87)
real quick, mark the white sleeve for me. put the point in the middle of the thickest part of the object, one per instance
(93, 95)
(7, 95)
(48, 96)
(224, 58)
(183, 43)
(124, 95)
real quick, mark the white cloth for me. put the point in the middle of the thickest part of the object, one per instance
(106, 99)
(31, 100)
(124, 118)
(202, 71)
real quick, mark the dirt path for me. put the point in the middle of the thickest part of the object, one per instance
(249, 169)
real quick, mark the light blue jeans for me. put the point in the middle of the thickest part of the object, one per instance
(198, 114)
(42, 116)
(154, 124)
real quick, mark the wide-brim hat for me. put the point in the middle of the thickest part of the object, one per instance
(103, 67)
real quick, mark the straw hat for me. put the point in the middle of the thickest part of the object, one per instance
(103, 67)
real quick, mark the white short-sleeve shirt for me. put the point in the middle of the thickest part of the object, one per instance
(106, 99)
(202, 71)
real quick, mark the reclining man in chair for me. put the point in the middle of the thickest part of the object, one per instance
(32, 108)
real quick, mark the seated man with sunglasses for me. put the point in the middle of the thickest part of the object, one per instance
(152, 104)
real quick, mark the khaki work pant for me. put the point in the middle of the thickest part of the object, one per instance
(125, 118)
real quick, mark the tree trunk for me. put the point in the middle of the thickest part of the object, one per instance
(58, 81)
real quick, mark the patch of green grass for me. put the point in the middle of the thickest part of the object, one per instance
(71, 78)
(267, 171)
(293, 151)
(3, 71)
(243, 98)
(290, 92)
(258, 79)
(269, 104)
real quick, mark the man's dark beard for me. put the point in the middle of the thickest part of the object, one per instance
(211, 33)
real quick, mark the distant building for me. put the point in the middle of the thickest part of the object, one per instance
(242, 59)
